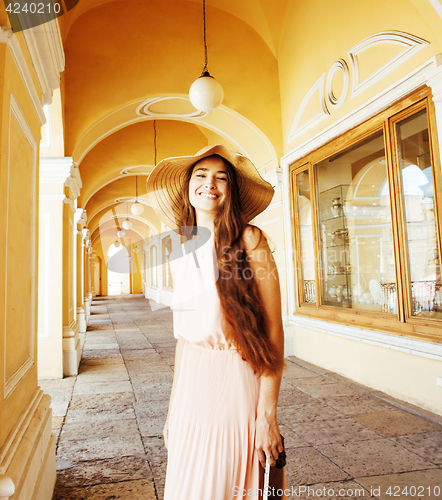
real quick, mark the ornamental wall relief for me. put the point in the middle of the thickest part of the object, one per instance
(388, 50)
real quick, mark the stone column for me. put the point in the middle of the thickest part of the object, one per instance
(80, 218)
(59, 345)
(87, 274)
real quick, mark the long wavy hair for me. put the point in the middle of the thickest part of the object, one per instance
(244, 323)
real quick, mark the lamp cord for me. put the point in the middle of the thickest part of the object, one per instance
(206, 57)
(154, 142)
(136, 188)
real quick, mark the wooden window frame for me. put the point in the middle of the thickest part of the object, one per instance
(402, 323)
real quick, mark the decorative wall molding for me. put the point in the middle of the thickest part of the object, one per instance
(317, 86)
(15, 438)
(17, 114)
(274, 177)
(55, 170)
(45, 283)
(420, 76)
(8, 37)
(74, 181)
(437, 6)
(324, 86)
(334, 101)
(143, 108)
(69, 202)
(412, 45)
(46, 50)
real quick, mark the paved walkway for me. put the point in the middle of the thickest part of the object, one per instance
(339, 436)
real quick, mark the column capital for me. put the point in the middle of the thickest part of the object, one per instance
(80, 217)
(55, 170)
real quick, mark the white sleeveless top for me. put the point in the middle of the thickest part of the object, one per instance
(196, 305)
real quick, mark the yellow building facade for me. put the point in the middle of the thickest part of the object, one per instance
(338, 104)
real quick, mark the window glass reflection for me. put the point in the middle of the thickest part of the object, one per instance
(420, 217)
(306, 237)
(357, 268)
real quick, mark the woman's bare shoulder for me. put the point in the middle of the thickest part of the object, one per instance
(253, 238)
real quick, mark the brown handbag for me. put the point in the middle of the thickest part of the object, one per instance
(277, 479)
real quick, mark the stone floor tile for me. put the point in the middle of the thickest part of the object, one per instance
(427, 445)
(337, 490)
(159, 476)
(291, 439)
(57, 422)
(71, 474)
(156, 451)
(424, 484)
(60, 399)
(102, 447)
(101, 355)
(134, 342)
(99, 417)
(291, 397)
(102, 387)
(310, 382)
(333, 430)
(160, 392)
(101, 368)
(306, 411)
(133, 490)
(88, 346)
(296, 371)
(324, 390)
(373, 457)
(396, 423)
(309, 466)
(86, 377)
(110, 400)
(58, 383)
(356, 404)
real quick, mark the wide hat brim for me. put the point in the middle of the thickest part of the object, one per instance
(166, 181)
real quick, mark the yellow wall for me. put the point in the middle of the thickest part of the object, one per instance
(18, 223)
(318, 32)
(405, 376)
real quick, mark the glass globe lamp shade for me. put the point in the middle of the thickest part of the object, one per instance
(121, 233)
(136, 249)
(137, 208)
(206, 93)
(116, 244)
(127, 224)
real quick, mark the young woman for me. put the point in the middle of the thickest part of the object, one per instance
(221, 423)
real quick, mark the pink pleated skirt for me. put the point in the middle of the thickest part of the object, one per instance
(211, 454)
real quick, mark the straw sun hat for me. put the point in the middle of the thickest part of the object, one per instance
(166, 181)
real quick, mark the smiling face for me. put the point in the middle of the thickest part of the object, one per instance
(208, 186)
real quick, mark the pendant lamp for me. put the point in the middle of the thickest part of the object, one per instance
(120, 233)
(116, 244)
(206, 93)
(127, 224)
(137, 208)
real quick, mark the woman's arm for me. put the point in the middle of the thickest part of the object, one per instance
(267, 440)
(176, 371)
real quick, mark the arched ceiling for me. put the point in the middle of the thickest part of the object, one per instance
(130, 62)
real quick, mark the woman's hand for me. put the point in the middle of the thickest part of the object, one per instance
(268, 441)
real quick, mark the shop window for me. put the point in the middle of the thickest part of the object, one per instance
(367, 225)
